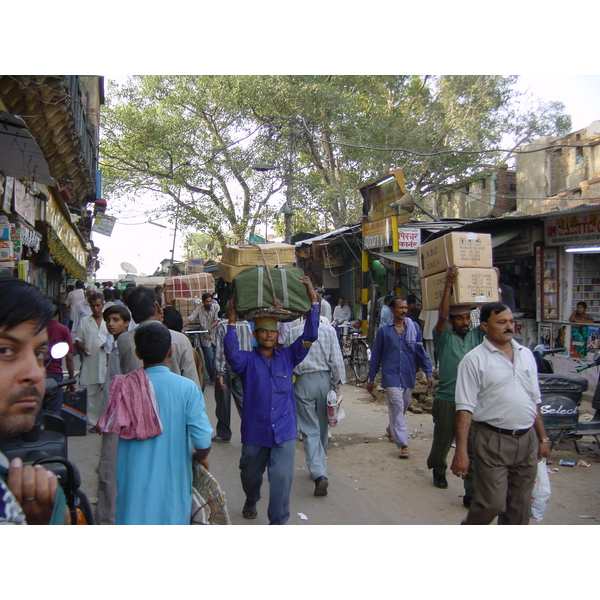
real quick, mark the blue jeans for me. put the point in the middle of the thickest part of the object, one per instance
(279, 462)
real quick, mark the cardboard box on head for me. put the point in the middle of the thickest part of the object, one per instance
(459, 248)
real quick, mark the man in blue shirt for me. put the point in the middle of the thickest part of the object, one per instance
(399, 352)
(269, 422)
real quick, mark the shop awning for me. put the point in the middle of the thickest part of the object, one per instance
(20, 156)
(499, 237)
(405, 258)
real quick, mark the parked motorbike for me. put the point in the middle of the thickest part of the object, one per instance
(46, 444)
(596, 398)
(561, 398)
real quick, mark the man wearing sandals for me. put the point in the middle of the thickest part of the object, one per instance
(398, 350)
(269, 421)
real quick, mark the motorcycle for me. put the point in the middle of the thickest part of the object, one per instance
(561, 398)
(46, 444)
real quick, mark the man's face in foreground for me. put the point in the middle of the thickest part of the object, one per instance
(500, 328)
(23, 356)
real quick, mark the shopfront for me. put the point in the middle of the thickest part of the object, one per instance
(65, 245)
(567, 272)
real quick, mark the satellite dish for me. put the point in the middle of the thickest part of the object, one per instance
(128, 268)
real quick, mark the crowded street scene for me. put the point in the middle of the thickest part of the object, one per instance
(298, 300)
(221, 387)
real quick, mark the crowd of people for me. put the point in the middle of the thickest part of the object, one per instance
(144, 390)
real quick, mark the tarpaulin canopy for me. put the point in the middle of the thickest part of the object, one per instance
(20, 156)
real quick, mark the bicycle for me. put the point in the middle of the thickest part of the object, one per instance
(356, 352)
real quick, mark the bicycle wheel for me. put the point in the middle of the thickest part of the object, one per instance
(360, 360)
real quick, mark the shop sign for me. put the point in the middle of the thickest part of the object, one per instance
(377, 234)
(9, 185)
(24, 202)
(29, 237)
(332, 256)
(409, 238)
(521, 245)
(104, 224)
(65, 232)
(581, 229)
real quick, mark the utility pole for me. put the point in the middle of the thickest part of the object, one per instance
(287, 209)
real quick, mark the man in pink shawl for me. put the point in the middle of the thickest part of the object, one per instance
(161, 420)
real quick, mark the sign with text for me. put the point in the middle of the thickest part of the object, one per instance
(582, 229)
(104, 224)
(377, 234)
(409, 238)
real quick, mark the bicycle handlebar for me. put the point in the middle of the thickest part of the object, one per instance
(589, 365)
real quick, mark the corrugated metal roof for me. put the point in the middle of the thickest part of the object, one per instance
(324, 236)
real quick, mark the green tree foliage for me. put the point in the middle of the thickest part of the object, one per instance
(193, 140)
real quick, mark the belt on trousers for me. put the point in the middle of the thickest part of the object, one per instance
(515, 432)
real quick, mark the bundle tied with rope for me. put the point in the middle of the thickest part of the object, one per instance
(267, 291)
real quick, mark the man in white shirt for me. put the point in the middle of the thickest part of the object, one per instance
(342, 312)
(320, 372)
(325, 306)
(497, 391)
(83, 309)
(72, 300)
(207, 316)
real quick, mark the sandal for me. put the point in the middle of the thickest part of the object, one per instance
(404, 452)
(94, 429)
(249, 510)
(389, 436)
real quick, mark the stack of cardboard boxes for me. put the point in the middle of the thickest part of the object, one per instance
(477, 280)
(237, 258)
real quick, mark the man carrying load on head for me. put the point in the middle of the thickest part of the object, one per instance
(269, 421)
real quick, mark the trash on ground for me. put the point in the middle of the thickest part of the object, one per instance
(303, 516)
(583, 463)
(566, 463)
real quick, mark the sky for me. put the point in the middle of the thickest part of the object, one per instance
(143, 245)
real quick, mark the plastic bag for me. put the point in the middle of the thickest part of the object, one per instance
(335, 413)
(540, 495)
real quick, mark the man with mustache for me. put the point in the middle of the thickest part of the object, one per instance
(28, 495)
(398, 351)
(451, 344)
(497, 390)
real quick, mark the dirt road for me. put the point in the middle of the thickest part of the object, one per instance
(369, 484)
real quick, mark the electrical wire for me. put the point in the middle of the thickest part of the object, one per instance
(439, 152)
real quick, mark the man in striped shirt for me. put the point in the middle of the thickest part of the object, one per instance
(321, 371)
(228, 383)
